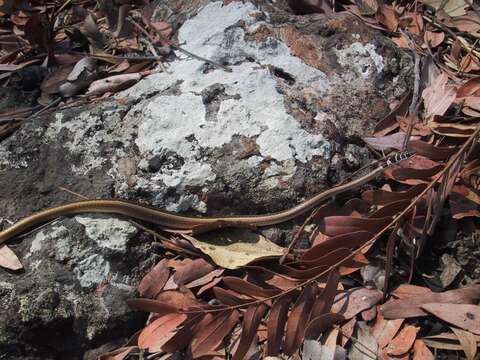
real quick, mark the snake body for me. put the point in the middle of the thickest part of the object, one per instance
(175, 221)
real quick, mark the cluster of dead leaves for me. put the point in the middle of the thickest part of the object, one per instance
(91, 48)
(449, 28)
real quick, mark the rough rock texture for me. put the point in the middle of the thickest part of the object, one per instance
(285, 123)
(71, 296)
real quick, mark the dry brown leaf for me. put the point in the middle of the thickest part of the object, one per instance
(421, 352)
(433, 39)
(438, 97)
(469, 24)
(159, 331)
(410, 306)
(251, 321)
(468, 342)
(393, 141)
(276, 324)
(465, 316)
(354, 301)
(402, 343)
(211, 331)
(387, 16)
(297, 320)
(469, 88)
(384, 330)
(153, 282)
(8, 259)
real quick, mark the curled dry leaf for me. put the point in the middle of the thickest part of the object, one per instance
(8, 259)
(159, 331)
(433, 39)
(206, 279)
(113, 84)
(324, 301)
(181, 299)
(451, 7)
(149, 305)
(435, 153)
(408, 290)
(470, 87)
(229, 297)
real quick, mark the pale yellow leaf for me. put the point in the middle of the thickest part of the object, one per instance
(235, 247)
(8, 259)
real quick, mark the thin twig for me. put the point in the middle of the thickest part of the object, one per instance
(34, 115)
(412, 111)
(356, 341)
(176, 47)
(297, 236)
(73, 193)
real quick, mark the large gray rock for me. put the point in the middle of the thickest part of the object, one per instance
(283, 125)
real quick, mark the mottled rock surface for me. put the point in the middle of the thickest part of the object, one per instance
(283, 125)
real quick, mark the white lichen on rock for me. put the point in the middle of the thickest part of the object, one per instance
(108, 232)
(253, 107)
(362, 59)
